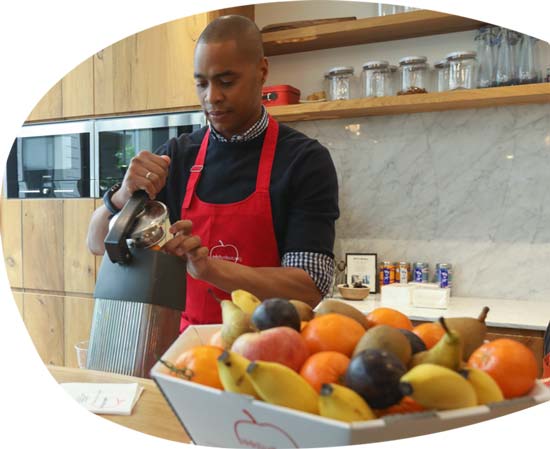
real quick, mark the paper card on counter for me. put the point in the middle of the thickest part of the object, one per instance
(106, 399)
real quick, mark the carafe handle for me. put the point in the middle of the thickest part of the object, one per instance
(115, 242)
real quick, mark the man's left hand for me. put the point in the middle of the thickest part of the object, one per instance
(188, 247)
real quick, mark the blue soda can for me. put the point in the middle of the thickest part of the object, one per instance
(445, 275)
(421, 271)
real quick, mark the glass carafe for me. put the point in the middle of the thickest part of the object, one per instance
(527, 65)
(486, 39)
(505, 75)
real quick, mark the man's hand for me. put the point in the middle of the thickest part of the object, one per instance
(188, 247)
(147, 171)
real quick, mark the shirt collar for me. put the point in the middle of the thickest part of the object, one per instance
(254, 131)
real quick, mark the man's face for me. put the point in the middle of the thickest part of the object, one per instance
(229, 86)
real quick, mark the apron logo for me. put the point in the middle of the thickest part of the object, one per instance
(226, 252)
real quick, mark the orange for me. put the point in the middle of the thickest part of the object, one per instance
(303, 324)
(390, 317)
(406, 405)
(429, 333)
(512, 364)
(332, 332)
(325, 367)
(216, 339)
(199, 364)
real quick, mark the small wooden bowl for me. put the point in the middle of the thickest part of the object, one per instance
(354, 294)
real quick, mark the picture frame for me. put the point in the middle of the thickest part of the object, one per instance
(362, 267)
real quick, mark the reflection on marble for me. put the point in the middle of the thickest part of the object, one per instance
(471, 188)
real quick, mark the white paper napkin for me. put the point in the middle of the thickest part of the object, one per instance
(106, 399)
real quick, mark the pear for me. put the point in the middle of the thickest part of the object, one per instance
(235, 322)
(304, 310)
(472, 331)
(446, 352)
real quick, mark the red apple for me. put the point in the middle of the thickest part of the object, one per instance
(278, 344)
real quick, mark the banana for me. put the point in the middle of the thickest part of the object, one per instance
(280, 385)
(232, 373)
(437, 387)
(344, 404)
(486, 388)
(246, 301)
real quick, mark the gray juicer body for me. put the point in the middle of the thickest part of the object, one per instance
(139, 296)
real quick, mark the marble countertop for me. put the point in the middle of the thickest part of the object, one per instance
(517, 314)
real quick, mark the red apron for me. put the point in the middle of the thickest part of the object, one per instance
(240, 232)
(546, 369)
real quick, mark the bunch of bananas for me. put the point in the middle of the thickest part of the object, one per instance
(383, 371)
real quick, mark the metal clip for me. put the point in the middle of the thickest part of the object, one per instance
(196, 168)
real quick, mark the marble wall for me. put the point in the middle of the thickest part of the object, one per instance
(467, 187)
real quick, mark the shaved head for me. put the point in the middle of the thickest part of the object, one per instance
(241, 30)
(230, 71)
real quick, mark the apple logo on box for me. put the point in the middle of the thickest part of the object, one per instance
(225, 252)
(251, 433)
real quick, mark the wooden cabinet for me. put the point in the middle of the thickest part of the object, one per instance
(43, 315)
(148, 71)
(43, 245)
(71, 97)
(151, 70)
(78, 262)
(50, 106)
(18, 298)
(77, 318)
(10, 228)
(77, 91)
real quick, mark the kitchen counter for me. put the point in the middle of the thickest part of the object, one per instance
(505, 313)
(150, 415)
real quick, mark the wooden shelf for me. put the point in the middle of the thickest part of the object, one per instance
(365, 31)
(408, 104)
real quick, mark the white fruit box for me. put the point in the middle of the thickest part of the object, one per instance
(216, 418)
(425, 295)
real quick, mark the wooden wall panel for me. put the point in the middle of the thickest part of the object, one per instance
(151, 70)
(43, 245)
(19, 302)
(77, 90)
(79, 262)
(50, 106)
(10, 227)
(104, 94)
(44, 321)
(78, 321)
(246, 10)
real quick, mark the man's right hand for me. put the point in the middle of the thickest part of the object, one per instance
(147, 171)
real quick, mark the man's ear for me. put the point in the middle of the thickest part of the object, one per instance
(264, 69)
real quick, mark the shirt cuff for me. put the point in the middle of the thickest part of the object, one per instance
(320, 267)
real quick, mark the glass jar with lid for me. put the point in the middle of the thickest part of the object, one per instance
(376, 79)
(340, 83)
(441, 69)
(395, 81)
(462, 70)
(414, 75)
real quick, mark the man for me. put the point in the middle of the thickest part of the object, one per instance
(253, 203)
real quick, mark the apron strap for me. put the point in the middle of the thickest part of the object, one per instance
(264, 169)
(268, 154)
(196, 171)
